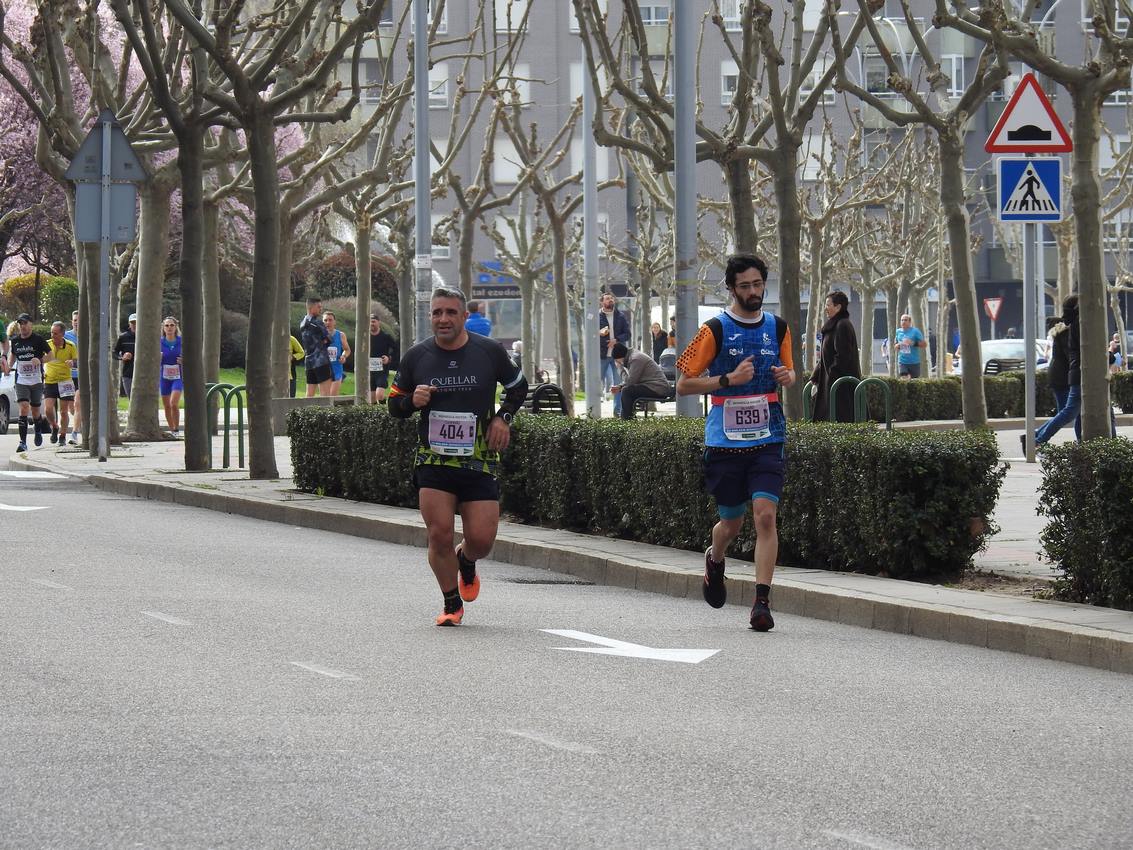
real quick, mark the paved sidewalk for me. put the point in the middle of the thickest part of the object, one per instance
(1079, 634)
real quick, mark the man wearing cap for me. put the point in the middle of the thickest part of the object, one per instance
(124, 351)
(642, 378)
(27, 354)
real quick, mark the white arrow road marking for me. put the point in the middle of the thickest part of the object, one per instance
(630, 650)
(4, 507)
(45, 583)
(166, 618)
(566, 746)
(863, 840)
(326, 671)
(26, 473)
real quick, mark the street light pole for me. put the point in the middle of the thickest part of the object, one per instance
(423, 261)
(684, 154)
(590, 342)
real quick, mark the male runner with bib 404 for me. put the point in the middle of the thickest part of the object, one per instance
(451, 379)
(741, 358)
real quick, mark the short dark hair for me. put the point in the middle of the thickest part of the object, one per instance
(313, 299)
(841, 301)
(473, 306)
(619, 351)
(1070, 302)
(738, 263)
(446, 292)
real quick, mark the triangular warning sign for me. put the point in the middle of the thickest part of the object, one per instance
(1030, 195)
(1029, 124)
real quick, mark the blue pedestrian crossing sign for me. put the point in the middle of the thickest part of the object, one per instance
(1030, 190)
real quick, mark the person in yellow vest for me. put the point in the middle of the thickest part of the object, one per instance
(59, 385)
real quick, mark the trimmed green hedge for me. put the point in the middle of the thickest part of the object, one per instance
(1087, 492)
(1121, 384)
(856, 498)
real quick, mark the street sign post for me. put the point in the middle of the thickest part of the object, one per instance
(991, 308)
(105, 171)
(1030, 192)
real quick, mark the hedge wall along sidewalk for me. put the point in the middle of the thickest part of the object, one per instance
(1087, 492)
(856, 499)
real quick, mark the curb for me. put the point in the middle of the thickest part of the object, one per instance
(1074, 644)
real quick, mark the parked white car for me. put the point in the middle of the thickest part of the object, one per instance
(1005, 355)
(8, 405)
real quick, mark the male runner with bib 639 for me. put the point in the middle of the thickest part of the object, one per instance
(451, 380)
(741, 358)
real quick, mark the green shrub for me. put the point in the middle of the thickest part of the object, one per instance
(1087, 491)
(936, 399)
(1044, 395)
(233, 339)
(856, 498)
(17, 294)
(1121, 386)
(58, 299)
(1003, 394)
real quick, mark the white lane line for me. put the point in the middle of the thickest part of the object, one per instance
(4, 507)
(166, 618)
(45, 583)
(326, 671)
(609, 646)
(863, 839)
(566, 746)
(21, 473)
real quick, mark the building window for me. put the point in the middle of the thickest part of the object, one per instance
(509, 14)
(655, 14)
(506, 164)
(662, 78)
(809, 84)
(441, 250)
(729, 81)
(1118, 234)
(442, 27)
(370, 77)
(877, 77)
(953, 66)
(603, 8)
(1121, 97)
(602, 231)
(730, 11)
(813, 151)
(519, 80)
(1111, 150)
(601, 161)
(438, 86)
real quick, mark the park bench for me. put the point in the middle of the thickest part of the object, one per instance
(545, 398)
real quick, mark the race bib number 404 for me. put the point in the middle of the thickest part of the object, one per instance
(452, 434)
(747, 417)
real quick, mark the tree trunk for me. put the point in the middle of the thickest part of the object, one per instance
(942, 353)
(920, 320)
(464, 254)
(189, 161)
(955, 212)
(153, 250)
(814, 311)
(737, 173)
(790, 270)
(281, 335)
(1085, 195)
(362, 275)
(646, 332)
(869, 299)
(527, 332)
(210, 282)
(892, 312)
(265, 283)
(562, 310)
(406, 305)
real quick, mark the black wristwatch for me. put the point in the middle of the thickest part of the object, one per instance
(724, 381)
(506, 416)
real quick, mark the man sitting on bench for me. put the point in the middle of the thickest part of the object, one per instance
(642, 379)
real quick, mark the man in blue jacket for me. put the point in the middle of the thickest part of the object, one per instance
(477, 322)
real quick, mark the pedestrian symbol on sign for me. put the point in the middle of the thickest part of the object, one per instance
(1030, 189)
(1030, 195)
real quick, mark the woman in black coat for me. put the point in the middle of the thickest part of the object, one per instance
(837, 358)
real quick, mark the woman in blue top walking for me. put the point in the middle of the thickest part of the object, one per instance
(338, 351)
(171, 386)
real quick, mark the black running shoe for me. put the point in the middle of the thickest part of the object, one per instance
(761, 619)
(38, 439)
(54, 435)
(715, 593)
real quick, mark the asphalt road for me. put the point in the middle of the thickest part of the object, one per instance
(179, 678)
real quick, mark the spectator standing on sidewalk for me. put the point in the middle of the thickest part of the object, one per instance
(642, 378)
(297, 355)
(909, 341)
(313, 334)
(837, 358)
(337, 351)
(124, 352)
(660, 341)
(477, 322)
(613, 327)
